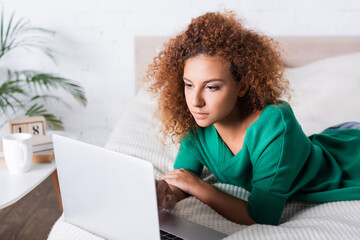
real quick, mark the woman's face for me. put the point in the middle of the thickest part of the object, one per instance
(210, 90)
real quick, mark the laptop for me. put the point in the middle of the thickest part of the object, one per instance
(113, 195)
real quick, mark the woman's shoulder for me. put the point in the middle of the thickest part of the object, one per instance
(279, 111)
(280, 107)
(274, 119)
(276, 126)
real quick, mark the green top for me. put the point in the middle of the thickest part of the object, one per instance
(278, 162)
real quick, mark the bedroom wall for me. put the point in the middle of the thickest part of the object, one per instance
(95, 42)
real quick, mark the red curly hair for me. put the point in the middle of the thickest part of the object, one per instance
(253, 58)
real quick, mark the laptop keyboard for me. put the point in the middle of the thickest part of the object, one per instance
(165, 236)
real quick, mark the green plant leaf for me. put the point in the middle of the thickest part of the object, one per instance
(48, 81)
(52, 121)
(9, 90)
(8, 29)
(35, 110)
(2, 28)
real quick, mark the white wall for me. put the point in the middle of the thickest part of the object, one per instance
(95, 41)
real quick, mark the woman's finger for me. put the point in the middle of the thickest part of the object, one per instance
(161, 187)
(169, 201)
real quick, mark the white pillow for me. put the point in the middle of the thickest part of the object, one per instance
(326, 92)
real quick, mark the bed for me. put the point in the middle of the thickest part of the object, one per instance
(324, 73)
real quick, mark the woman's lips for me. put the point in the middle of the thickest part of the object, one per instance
(200, 115)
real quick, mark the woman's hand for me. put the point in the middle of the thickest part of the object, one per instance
(183, 179)
(228, 206)
(165, 196)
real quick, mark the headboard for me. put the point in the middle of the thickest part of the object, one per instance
(296, 51)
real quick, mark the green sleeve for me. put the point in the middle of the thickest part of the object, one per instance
(279, 158)
(189, 156)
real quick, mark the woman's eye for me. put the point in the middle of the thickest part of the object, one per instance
(188, 85)
(212, 88)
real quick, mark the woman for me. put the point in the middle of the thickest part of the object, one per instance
(220, 88)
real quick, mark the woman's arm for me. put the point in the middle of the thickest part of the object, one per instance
(226, 205)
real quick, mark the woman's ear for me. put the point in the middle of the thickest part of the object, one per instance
(242, 88)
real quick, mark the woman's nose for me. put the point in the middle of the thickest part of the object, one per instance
(198, 100)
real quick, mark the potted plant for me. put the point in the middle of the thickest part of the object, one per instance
(27, 92)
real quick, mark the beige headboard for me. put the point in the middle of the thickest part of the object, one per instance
(296, 51)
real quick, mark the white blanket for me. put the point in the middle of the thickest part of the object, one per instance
(136, 134)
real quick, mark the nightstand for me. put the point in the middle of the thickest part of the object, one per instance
(15, 186)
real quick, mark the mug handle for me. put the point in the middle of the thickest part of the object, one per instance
(25, 154)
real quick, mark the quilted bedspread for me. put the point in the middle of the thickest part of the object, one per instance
(137, 134)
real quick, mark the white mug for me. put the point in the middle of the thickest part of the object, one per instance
(18, 152)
